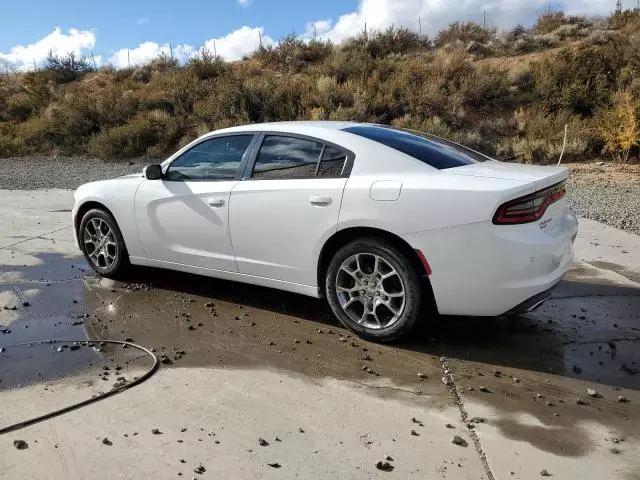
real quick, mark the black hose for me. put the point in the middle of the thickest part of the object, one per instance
(84, 403)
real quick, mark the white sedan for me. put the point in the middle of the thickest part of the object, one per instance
(391, 226)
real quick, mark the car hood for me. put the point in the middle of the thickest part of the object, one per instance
(541, 176)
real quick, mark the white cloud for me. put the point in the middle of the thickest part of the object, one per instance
(142, 21)
(437, 14)
(147, 51)
(238, 43)
(61, 43)
(244, 3)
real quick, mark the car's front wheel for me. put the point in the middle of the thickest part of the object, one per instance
(374, 290)
(102, 243)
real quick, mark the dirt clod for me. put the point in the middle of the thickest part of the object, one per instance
(458, 440)
(20, 444)
(384, 466)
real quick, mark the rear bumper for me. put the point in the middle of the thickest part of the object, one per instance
(483, 269)
(534, 302)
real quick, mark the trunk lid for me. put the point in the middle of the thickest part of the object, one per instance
(539, 176)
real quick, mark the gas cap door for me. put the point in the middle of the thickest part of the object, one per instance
(385, 190)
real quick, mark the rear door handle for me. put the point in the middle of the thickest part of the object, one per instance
(320, 201)
(215, 202)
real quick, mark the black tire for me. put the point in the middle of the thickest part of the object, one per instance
(410, 278)
(120, 265)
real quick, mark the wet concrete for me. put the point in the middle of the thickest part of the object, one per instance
(534, 366)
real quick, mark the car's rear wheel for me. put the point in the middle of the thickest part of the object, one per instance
(374, 290)
(102, 243)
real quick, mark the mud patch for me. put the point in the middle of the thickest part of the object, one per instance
(629, 274)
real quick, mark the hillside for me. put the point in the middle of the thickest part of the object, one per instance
(508, 94)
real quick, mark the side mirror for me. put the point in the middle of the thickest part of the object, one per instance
(152, 172)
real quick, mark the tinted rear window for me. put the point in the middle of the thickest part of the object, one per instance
(434, 151)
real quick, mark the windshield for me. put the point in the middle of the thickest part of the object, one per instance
(434, 151)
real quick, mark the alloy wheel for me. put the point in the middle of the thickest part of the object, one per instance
(370, 290)
(100, 243)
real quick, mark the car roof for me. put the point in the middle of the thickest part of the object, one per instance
(292, 127)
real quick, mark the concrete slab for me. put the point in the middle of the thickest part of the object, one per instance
(261, 363)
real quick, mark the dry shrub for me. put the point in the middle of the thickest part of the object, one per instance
(149, 133)
(540, 136)
(551, 22)
(465, 32)
(579, 78)
(619, 126)
(392, 40)
(19, 106)
(292, 54)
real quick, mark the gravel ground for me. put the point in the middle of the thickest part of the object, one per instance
(616, 203)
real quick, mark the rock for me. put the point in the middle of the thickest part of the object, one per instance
(295, 340)
(262, 442)
(301, 430)
(448, 425)
(416, 421)
(580, 401)
(156, 431)
(414, 433)
(2, 349)
(106, 441)
(276, 439)
(615, 450)
(20, 444)
(478, 420)
(199, 469)
(384, 466)
(274, 465)
(577, 369)
(191, 327)
(446, 380)
(458, 440)
(208, 304)
(622, 398)
(421, 376)
(388, 458)
(544, 473)
(26, 304)
(484, 390)
(592, 393)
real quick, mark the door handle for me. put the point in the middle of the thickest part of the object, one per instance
(216, 202)
(320, 201)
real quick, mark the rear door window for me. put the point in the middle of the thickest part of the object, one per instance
(434, 151)
(284, 157)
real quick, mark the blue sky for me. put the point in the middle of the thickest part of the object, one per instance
(144, 28)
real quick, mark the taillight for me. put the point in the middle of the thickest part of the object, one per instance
(530, 207)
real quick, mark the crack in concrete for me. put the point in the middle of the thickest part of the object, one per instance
(33, 238)
(453, 389)
(397, 389)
